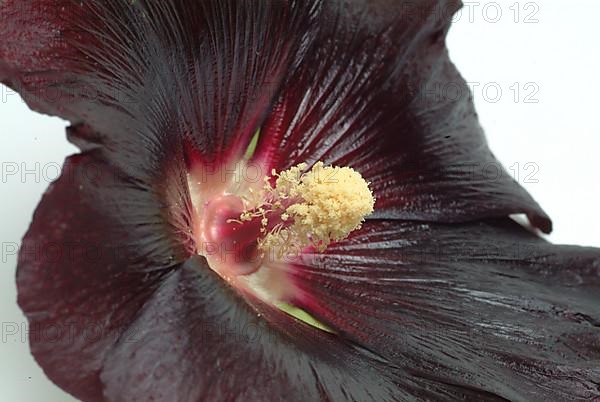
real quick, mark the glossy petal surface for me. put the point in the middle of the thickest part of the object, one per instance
(485, 307)
(376, 91)
(366, 84)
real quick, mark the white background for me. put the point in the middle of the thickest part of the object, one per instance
(549, 127)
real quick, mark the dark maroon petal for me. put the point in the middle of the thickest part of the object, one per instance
(196, 340)
(204, 70)
(376, 91)
(486, 308)
(362, 84)
(96, 250)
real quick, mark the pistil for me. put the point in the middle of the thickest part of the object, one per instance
(229, 248)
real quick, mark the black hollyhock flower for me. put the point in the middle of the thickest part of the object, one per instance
(181, 107)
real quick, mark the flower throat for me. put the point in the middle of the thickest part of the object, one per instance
(295, 210)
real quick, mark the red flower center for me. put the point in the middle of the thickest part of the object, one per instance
(250, 230)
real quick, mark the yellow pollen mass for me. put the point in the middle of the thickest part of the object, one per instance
(323, 205)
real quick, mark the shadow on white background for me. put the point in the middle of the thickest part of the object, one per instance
(534, 75)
